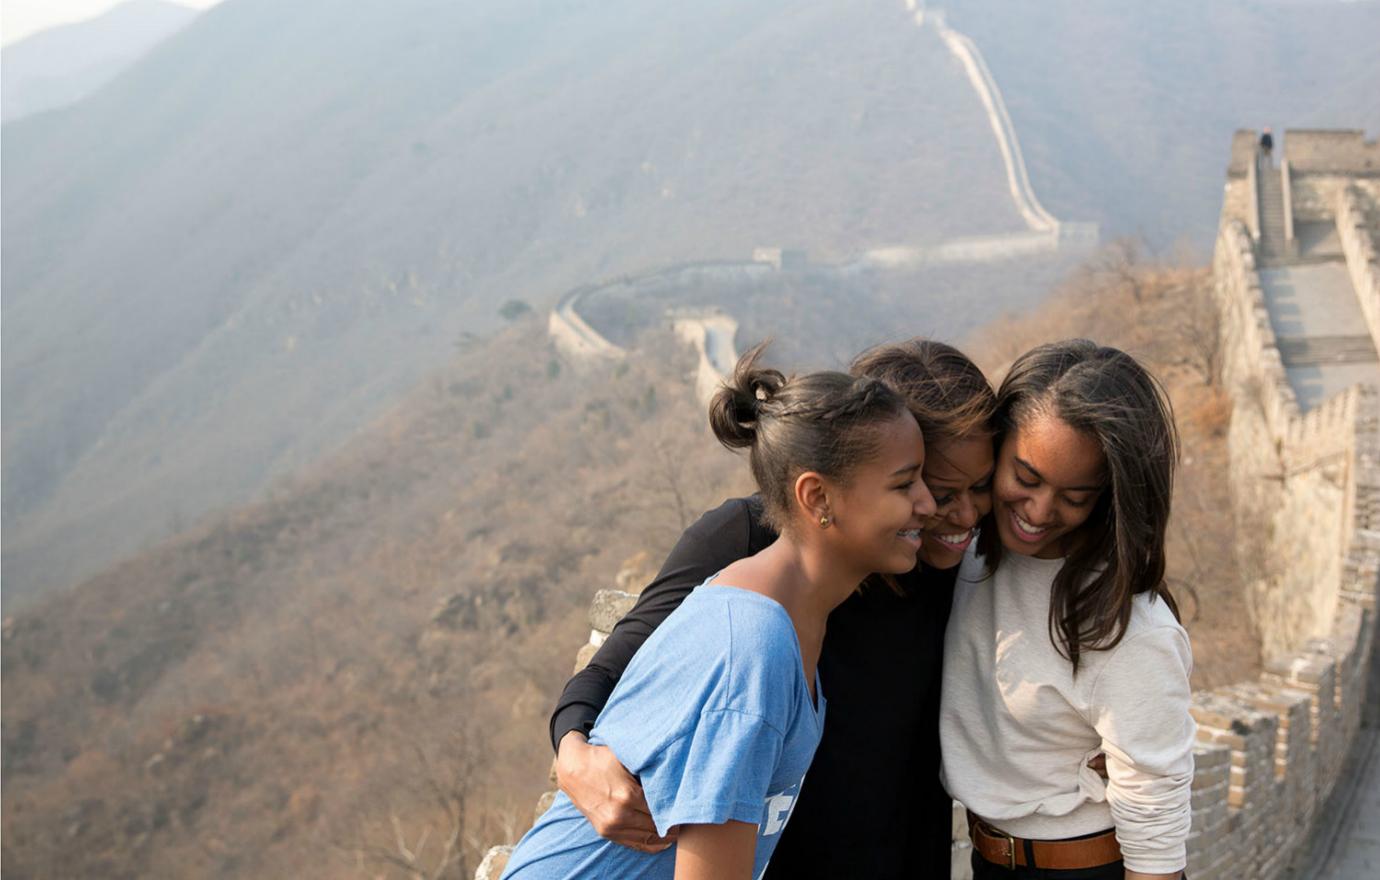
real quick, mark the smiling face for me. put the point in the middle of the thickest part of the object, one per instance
(877, 515)
(1048, 480)
(959, 475)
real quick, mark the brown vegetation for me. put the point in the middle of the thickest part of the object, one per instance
(352, 678)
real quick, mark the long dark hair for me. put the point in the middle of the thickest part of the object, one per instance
(1119, 551)
(825, 422)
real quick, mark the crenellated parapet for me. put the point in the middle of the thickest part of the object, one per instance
(1354, 229)
(1287, 734)
(1252, 362)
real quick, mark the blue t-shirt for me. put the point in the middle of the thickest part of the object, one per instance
(714, 718)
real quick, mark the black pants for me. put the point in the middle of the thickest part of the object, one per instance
(985, 870)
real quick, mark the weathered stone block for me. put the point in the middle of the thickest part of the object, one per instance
(608, 608)
(493, 863)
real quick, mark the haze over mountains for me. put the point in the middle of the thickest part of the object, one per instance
(63, 64)
(239, 251)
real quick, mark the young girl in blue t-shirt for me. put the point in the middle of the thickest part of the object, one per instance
(720, 717)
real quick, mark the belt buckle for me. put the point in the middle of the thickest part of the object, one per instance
(993, 831)
(1010, 850)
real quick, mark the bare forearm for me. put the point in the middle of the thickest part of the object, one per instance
(716, 852)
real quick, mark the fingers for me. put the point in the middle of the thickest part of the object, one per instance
(608, 795)
(1098, 764)
(628, 823)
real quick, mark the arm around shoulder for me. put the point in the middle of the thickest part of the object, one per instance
(719, 537)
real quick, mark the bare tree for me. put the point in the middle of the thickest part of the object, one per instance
(421, 833)
(1198, 324)
(1122, 263)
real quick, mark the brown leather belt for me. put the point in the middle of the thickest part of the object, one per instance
(1001, 848)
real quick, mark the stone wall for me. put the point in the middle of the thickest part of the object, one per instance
(1306, 493)
(1337, 151)
(1358, 211)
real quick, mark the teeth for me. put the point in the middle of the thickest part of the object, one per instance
(913, 534)
(1029, 528)
(957, 538)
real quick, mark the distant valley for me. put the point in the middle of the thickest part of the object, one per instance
(222, 264)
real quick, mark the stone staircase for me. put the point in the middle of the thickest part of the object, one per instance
(1273, 241)
(1321, 350)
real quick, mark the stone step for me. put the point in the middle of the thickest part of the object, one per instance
(1300, 351)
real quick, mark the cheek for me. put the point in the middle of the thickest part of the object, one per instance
(983, 503)
(1075, 516)
(1005, 490)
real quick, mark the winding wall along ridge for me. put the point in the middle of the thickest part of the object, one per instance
(578, 338)
(980, 75)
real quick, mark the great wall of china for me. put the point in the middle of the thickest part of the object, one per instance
(1305, 477)
(578, 339)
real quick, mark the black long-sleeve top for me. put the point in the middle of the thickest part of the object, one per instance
(872, 805)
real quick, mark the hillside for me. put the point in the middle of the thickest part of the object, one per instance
(64, 64)
(384, 636)
(255, 698)
(271, 227)
(278, 221)
(1122, 108)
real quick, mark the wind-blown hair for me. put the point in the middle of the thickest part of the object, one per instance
(825, 422)
(1118, 552)
(946, 392)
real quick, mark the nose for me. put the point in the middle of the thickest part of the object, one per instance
(965, 512)
(921, 500)
(1038, 509)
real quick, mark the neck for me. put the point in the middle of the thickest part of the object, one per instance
(806, 580)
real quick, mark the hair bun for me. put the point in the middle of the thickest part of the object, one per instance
(736, 407)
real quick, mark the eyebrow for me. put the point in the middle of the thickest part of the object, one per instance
(960, 480)
(1039, 476)
(907, 469)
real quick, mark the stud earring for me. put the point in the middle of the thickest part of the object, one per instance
(824, 521)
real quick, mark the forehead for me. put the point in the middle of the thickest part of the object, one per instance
(899, 441)
(1063, 456)
(964, 460)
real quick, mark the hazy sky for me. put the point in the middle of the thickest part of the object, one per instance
(19, 18)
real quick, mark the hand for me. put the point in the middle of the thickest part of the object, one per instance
(607, 794)
(1098, 765)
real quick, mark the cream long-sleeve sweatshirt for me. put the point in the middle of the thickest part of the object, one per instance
(1018, 727)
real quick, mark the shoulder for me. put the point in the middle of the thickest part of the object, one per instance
(738, 522)
(748, 623)
(1152, 617)
(1154, 646)
(720, 618)
(723, 650)
(756, 640)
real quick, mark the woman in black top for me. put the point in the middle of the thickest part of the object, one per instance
(872, 805)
